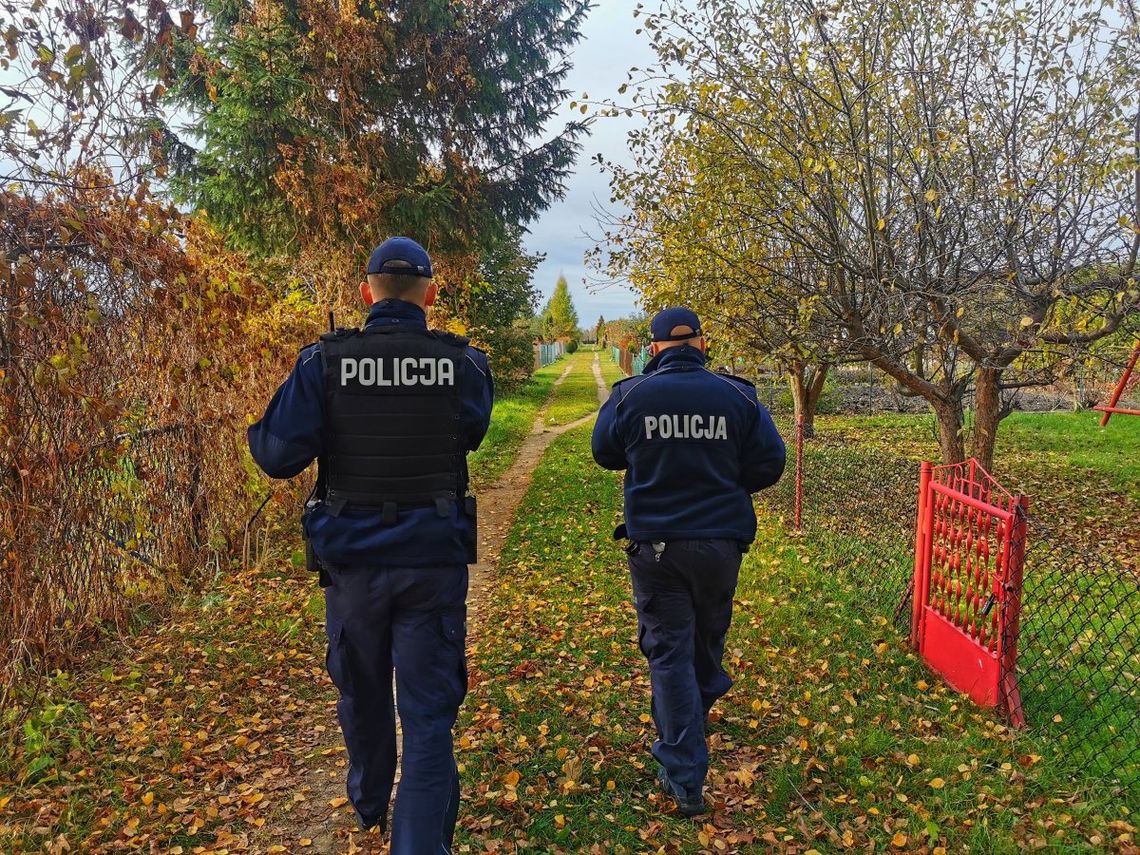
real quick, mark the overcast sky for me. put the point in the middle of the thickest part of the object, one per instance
(608, 49)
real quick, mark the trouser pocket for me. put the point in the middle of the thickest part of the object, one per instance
(453, 629)
(336, 661)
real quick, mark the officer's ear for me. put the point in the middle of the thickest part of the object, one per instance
(432, 293)
(366, 294)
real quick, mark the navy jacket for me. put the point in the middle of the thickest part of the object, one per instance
(695, 445)
(290, 436)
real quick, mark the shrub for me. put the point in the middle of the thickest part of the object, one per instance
(511, 353)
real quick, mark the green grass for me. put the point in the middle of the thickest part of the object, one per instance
(611, 371)
(1031, 447)
(578, 394)
(835, 736)
(511, 420)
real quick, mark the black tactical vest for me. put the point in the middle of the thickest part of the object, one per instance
(392, 404)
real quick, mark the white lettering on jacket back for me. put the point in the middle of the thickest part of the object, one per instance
(686, 427)
(410, 371)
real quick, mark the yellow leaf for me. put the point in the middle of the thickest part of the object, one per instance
(560, 820)
(913, 760)
(922, 685)
(931, 195)
(1027, 321)
(146, 799)
(610, 785)
(337, 802)
(305, 841)
(938, 783)
(899, 840)
(803, 721)
(512, 778)
(882, 224)
(276, 847)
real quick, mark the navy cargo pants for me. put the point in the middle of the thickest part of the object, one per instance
(684, 607)
(415, 621)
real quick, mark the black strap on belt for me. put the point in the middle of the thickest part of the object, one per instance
(389, 513)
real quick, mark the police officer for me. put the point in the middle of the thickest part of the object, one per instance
(695, 444)
(390, 411)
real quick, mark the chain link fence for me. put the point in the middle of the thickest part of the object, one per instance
(1079, 646)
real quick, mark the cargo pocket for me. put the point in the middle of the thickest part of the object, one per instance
(453, 628)
(336, 661)
(641, 639)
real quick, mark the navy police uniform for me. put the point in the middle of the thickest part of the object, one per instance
(695, 445)
(390, 411)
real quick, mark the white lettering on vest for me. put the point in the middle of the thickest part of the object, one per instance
(398, 372)
(674, 426)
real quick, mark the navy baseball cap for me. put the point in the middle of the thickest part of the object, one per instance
(400, 249)
(661, 327)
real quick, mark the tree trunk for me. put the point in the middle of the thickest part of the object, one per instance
(807, 388)
(987, 415)
(949, 415)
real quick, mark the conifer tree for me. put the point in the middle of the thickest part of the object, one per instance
(313, 123)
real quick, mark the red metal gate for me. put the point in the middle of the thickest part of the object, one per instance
(969, 552)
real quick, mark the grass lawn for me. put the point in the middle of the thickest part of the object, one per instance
(578, 394)
(611, 371)
(511, 420)
(1034, 450)
(834, 736)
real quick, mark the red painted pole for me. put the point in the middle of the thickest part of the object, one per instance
(927, 552)
(1008, 692)
(799, 469)
(1118, 393)
(921, 547)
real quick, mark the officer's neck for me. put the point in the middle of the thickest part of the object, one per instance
(395, 302)
(394, 305)
(677, 353)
